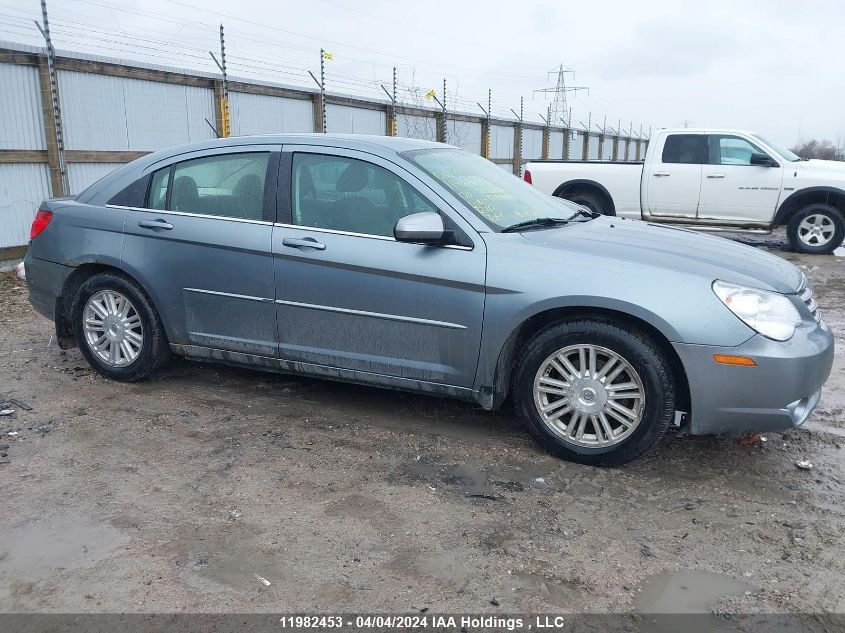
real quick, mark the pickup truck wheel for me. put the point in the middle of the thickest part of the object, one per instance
(593, 392)
(592, 202)
(817, 228)
(117, 328)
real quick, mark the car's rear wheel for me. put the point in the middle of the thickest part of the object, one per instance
(593, 392)
(817, 229)
(117, 328)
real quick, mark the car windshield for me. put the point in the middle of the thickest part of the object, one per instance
(500, 199)
(790, 156)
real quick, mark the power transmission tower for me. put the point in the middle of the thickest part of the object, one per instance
(560, 108)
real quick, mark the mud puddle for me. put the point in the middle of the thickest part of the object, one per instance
(687, 591)
(34, 547)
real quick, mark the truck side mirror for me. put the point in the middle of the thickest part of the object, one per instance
(763, 160)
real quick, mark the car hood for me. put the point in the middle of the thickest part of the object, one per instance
(680, 250)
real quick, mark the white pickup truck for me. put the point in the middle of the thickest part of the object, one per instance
(713, 180)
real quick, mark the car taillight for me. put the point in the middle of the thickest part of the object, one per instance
(42, 219)
(527, 176)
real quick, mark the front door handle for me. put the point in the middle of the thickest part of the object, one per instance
(715, 175)
(155, 224)
(305, 242)
(662, 173)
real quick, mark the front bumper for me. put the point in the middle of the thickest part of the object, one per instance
(779, 393)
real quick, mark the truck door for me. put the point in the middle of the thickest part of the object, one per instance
(736, 187)
(673, 177)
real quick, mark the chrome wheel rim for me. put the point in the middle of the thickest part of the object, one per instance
(589, 396)
(816, 229)
(113, 329)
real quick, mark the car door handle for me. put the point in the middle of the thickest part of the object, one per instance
(155, 224)
(715, 175)
(307, 242)
(662, 173)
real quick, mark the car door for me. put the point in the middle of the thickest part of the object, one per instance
(733, 188)
(348, 295)
(202, 246)
(673, 178)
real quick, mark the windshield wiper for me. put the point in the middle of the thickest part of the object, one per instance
(536, 223)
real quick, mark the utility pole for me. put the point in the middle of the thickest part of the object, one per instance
(559, 101)
(225, 126)
(59, 184)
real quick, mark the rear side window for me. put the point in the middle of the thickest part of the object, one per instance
(229, 185)
(158, 189)
(686, 149)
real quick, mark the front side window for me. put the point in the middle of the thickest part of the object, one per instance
(685, 149)
(229, 185)
(731, 150)
(346, 194)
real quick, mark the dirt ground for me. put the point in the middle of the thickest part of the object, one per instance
(181, 493)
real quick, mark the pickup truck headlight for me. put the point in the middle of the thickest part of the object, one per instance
(769, 313)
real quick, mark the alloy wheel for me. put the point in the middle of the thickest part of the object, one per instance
(113, 329)
(589, 396)
(816, 230)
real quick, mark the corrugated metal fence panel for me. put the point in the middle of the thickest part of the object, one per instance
(532, 143)
(465, 134)
(501, 141)
(607, 148)
(262, 114)
(81, 175)
(593, 148)
(162, 115)
(115, 113)
(576, 146)
(342, 119)
(22, 121)
(508, 167)
(556, 144)
(416, 126)
(93, 111)
(22, 188)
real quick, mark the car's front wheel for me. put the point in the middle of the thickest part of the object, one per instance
(117, 328)
(816, 229)
(593, 392)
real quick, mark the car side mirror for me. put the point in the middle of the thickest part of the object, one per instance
(764, 160)
(420, 228)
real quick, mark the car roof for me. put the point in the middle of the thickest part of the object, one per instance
(365, 142)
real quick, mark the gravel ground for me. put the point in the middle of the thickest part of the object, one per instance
(183, 492)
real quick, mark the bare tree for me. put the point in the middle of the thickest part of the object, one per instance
(824, 149)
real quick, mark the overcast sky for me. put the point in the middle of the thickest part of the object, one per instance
(768, 65)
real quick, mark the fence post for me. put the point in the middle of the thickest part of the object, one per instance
(567, 133)
(587, 145)
(547, 135)
(615, 154)
(57, 188)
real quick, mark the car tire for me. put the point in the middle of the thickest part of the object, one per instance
(816, 229)
(587, 199)
(117, 328)
(640, 362)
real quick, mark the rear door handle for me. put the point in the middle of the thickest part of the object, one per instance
(662, 173)
(306, 242)
(715, 175)
(155, 224)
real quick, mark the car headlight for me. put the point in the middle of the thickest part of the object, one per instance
(769, 313)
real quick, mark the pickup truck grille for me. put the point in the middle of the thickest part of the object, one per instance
(806, 294)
